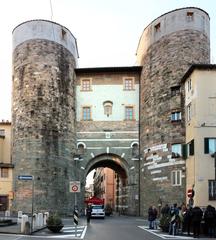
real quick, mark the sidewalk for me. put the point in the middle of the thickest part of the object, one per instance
(68, 227)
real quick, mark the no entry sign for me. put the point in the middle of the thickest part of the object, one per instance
(74, 186)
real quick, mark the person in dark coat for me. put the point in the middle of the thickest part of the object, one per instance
(187, 218)
(88, 213)
(151, 217)
(209, 218)
(197, 215)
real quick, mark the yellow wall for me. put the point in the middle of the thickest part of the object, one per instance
(5, 161)
(200, 167)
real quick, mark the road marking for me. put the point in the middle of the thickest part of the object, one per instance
(160, 234)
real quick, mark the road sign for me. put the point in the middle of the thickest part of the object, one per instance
(25, 177)
(74, 186)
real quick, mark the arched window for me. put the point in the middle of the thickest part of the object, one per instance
(108, 108)
(81, 148)
(135, 150)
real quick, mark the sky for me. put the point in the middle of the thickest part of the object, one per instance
(107, 31)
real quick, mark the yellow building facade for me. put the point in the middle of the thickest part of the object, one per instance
(6, 167)
(200, 113)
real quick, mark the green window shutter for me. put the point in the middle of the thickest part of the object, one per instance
(184, 151)
(191, 147)
(206, 145)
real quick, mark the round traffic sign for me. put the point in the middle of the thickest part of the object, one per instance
(190, 193)
(74, 188)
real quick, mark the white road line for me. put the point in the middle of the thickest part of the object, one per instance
(163, 236)
(84, 232)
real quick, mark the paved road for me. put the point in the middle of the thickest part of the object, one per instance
(111, 228)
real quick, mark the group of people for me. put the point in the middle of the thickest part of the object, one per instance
(186, 219)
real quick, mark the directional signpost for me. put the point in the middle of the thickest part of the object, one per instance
(25, 177)
(75, 188)
(29, 177)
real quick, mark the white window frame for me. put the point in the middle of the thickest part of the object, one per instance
(189, 85)
(176, 116)
(128, 87)
(83, 86)
(176, 178)
(188, 112)
(176, 150)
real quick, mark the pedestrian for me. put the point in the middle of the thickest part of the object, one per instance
(174, 214)
(197, 215)
(88, 213)
(209, 218)
(150, 217)
(187, 219)
(155, 214)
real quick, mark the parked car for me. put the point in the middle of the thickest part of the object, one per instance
(97, 211)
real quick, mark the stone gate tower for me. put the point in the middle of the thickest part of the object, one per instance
(167, 47)
(43, 115)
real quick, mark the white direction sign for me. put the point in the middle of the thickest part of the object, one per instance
(25, 177)
(74, 186)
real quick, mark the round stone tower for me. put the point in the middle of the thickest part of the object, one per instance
(43, 116)
(167, 47)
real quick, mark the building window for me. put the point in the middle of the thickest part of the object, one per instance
(209, 145)
(86, 84)
(81, 148)
(129, 113)
(2, 133)
(135, 150)
(212, 189)
(190, 16)
(108, 108)
(157, 27)
(191, 147)
(176, 178)
(128, 83)
(189, 112)
(176, 150)
(175, 90)
(86, 113)
(189, 85)
(175, 116)
(4, 172)
(63, 33)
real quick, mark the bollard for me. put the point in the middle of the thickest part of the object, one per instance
(19, 217)
(46, 215)
(76, 220)
(24, 219)
(34, 221)
(7, 214)
(40, 219)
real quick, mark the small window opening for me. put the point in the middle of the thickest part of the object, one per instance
(63, 34)
(157, 27)
(190, 16)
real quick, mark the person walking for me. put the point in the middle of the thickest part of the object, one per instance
(88, 213)
(197, 215)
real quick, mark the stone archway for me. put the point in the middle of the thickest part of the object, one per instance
(123, 187)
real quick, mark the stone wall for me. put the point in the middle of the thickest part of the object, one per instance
(164, 64)
(43, 122)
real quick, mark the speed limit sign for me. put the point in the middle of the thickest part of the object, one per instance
(74, 186)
